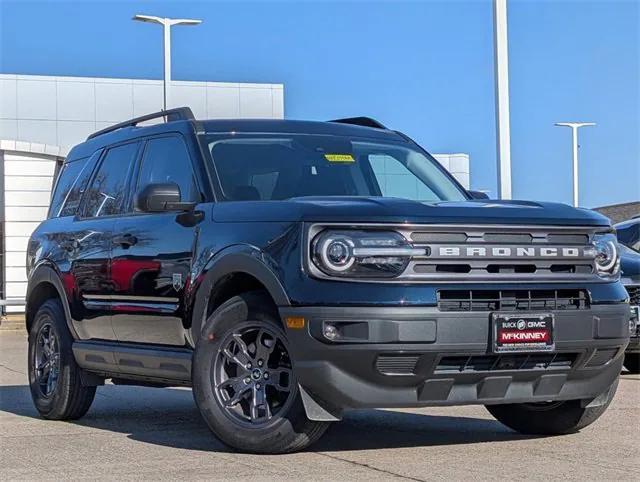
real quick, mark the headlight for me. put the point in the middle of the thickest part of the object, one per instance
(363, 254)
(605, 252)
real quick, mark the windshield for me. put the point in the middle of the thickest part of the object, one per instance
(283, 166)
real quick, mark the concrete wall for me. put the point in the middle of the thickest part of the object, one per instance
(62, 111)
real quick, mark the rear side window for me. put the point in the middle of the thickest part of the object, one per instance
(166, 160)
(107, 192)
(72, 181)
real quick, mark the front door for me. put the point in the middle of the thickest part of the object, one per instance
(88, 242)
(152, 252)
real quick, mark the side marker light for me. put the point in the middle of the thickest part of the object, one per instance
(295, 322)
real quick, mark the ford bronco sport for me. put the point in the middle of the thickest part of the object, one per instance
(288, 271)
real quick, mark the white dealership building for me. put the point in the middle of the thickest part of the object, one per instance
(42, 117)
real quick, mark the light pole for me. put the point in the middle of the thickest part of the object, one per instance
(574, 131)
(167, 23)
(501, 62)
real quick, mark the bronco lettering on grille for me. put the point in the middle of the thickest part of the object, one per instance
(504, 251)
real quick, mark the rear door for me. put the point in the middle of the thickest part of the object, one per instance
(88, 239)
(152, 252)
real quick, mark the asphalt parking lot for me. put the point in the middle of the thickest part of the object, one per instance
(145, 433)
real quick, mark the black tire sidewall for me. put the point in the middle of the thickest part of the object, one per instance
(52, 407)
(267, 438)
(567, 417)
(632, 362)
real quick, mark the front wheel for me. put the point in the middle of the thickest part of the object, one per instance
(551, 418)
(244, 382)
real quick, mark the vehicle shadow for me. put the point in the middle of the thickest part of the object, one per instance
(169, 417)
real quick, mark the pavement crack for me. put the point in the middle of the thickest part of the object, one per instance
(371, 467)
(11, 369)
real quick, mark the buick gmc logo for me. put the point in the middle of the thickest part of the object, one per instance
(508, 252)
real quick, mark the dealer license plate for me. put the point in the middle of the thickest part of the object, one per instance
(522, 333)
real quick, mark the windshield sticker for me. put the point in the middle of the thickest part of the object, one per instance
(339, 158)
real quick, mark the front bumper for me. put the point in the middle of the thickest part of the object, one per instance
(420, 356)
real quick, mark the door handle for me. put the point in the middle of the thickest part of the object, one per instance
(126, 240)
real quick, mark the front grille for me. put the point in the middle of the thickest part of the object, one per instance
(518, 300)
(501, 253)
(397, 364)
(491, 363)
(511, 235)
(634, 295)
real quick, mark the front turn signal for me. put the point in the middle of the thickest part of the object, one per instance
(295, 322)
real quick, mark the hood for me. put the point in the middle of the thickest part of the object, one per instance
(397, 210)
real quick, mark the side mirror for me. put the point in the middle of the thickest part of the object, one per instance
(478, 195)
(161, 197)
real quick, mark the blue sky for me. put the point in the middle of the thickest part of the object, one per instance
(424, 67)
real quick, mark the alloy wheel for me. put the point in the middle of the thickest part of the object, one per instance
(47, 360)
(253, 376)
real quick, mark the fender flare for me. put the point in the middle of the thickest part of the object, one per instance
(235, 259)
(45, 273)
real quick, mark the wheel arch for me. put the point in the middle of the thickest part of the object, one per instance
(235, 270)
(45, 283)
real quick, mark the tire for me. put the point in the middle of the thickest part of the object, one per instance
(632, 362)
(550, 418)
(228, 393)
(56, 387)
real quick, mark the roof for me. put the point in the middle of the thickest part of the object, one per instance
(298, 127)
(98, 140)
(91, 145)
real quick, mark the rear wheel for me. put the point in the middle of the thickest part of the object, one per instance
(54, 376)
(244, 382)
(632, 362)
(551, 418)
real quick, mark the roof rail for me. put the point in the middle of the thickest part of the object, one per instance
(360, 121)
(179, 113)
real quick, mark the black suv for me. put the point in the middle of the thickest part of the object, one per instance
(290, 270)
